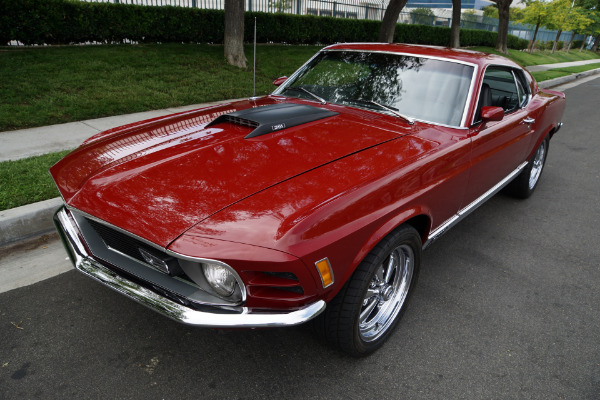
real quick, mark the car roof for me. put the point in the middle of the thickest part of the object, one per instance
(464, 55)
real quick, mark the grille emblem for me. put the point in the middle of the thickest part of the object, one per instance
(156, 262)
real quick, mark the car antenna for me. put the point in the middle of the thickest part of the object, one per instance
(254, 69)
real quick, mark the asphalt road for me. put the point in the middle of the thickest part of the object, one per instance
(507, 307)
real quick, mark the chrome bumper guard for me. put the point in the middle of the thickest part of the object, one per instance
(214, 317)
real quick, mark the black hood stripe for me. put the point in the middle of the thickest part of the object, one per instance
(271, 118)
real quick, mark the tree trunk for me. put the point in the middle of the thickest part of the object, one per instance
(234, 33)
(571, 42)
(535, 35)
(390, 19)
(503, 16)
(455, 27)
(583, 43)
(595, 45)
(556, 40)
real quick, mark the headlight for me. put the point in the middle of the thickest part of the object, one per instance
(220, 278)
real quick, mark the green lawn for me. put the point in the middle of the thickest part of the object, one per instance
(51, 85)
(558, 72)
(27, 181)
(542, 57)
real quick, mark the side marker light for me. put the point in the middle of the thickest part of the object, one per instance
(325, 271)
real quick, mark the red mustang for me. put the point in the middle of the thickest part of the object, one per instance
(316, 199)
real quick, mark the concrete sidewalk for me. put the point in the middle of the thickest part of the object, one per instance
(34, 220)
(545, 67)
(30, 142)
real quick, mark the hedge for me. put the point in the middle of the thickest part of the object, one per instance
(69, 22)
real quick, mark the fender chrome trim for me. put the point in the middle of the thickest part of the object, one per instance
(209, 316)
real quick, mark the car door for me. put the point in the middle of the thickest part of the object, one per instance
(498, 147)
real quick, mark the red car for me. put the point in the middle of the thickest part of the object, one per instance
(314, 201)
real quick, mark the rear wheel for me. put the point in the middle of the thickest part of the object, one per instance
(366, 311)
(526, 182)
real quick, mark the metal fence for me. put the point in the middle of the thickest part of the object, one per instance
(358, 9)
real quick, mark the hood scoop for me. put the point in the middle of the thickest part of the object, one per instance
(271, 118)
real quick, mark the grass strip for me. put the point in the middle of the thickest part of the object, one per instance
(51, 85)
(558, 72)
(27, 180)
(542, 57)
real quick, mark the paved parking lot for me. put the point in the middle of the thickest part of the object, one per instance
(507, 307)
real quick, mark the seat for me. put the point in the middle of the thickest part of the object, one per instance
(485, 100)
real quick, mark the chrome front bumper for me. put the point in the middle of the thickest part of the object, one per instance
(213, 317)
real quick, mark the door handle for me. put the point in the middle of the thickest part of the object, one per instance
(528, 120)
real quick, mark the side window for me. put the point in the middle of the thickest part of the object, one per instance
(503, 88)
(522, 88)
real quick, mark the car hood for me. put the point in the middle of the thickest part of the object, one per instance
(158, 179)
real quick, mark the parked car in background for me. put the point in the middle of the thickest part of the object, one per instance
(314, 202)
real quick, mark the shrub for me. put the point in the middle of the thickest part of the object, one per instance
(67, 22)
(422, 16)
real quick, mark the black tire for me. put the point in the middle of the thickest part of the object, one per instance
(525, 183)
(372, 287)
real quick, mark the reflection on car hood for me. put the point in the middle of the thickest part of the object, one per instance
(158, 179)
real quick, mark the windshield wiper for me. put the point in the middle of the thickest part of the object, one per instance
(410, 120)
(308, 92)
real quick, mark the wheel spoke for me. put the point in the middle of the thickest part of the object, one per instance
(391, 267)
(368, 310)
(379, 275)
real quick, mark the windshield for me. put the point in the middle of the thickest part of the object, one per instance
(416, 87)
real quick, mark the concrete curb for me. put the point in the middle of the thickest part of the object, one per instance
(566, 79)
(32, 220)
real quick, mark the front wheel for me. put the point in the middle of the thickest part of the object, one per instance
(366, 311)
(526, 182)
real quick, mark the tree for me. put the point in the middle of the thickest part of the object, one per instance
(536, 13)
(516, 13)
(455, 26)
(470, 20)
(593, 12)
(490, 11)
(592, 29)
(422, 16)
(596, 43)
(559, 11)
(390, 19)
(503, 18)
(280, 5)
(234, 33)
(577, 21)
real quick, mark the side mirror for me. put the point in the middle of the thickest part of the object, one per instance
(492, 113)
(279, 81)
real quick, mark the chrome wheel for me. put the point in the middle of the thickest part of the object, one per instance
(537, 165)
(386, 293)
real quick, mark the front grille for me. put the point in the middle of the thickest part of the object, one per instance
(123, 243)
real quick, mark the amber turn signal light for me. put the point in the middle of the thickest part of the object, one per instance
(325, 271)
